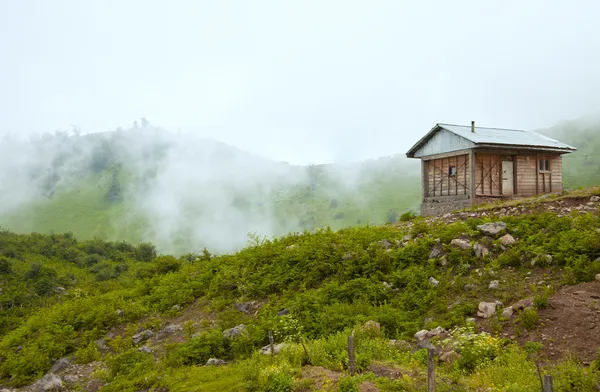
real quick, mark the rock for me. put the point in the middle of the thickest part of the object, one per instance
(595, 199)
(494, 284)
(436, 251)
(48, 383)
(215, 362)
(507, 240)
(71, 378)
(444, 261)
(120, 313)
(385, 244)
(371, 326)
(508, 312)
(401, 345)
(492, 229)
(168, 331)
(422, 335)
(544, 259)
(523, 304)
(387, 285)
(433, 282)
(101, 344)
(146, 349)
(480, 251)
(61, 364)
(598, 277)
(469, 287)
(235, 331)
(283, 312)
(460, 243)
(449, 356)
(486, 309)
(276, 349)
(142, 336)
(246, 307)
(176, 307)
(60, 290)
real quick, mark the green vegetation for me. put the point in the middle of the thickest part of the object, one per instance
(60, 295)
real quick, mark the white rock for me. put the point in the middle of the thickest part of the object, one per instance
(508, 312)
(486, 309)
(48, 383)
(598, 277)
(276, 349)
(507, 240)
(433, 282)
(494, 284)
(460, 243)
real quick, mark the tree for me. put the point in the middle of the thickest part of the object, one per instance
(114, 192)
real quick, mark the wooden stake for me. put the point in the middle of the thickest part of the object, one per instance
(430, 370)
(351, 355)
(271, 342)
(548, 387)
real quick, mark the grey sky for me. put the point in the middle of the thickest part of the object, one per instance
(304, 81)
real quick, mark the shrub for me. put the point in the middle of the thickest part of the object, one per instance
(145, 252)
(529, 318)
(5, 267)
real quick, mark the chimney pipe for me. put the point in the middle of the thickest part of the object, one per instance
(473, 126)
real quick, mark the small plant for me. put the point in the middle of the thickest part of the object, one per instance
(530, 318)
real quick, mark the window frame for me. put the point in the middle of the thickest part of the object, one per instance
(450, 174)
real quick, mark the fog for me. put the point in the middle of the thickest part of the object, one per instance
(300, 83)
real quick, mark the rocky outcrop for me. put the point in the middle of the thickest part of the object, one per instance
(50, 382)
(142, 336)
(168, 331)
(215, 362)
(61, 364)
(235, 331)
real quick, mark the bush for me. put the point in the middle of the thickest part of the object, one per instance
(5, 267)
(145, 252)
(529, 318)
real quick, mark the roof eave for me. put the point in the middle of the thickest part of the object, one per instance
(526, 147)
(422, 141)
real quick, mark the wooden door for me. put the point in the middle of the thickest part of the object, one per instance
(507, 178)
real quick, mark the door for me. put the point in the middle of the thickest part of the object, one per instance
(507, 178)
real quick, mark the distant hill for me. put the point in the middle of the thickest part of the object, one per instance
(184, 193)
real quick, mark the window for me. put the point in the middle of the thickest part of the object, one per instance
(544, 165)
(452, 171)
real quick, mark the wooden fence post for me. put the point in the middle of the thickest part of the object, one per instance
(351, 355)
(430, 370)
(548, 387)
(271, 342)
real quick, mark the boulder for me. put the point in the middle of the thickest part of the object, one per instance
(235, 331)
(247, 307)
(142, 336)
(492, 229)
(276, 349)
(101, 344)
(371, 326)
(215, 362)
(508, 312)
(436, 251)
(598, 277)
(48, 383)
(433, 282)
(385, 244)
(146, 349)
(283, 312)
(168, 331)
(61, 364)
(486, 309)
(494, 284)
(460, 243)
(507, 240)
(595, 199)
(480, 251)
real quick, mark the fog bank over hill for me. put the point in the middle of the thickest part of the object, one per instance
(183, 192)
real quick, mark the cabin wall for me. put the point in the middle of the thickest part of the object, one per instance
(531, 181)
(446, 185)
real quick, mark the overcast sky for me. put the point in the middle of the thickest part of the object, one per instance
(301, 81)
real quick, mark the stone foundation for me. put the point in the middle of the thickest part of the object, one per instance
(444, 204)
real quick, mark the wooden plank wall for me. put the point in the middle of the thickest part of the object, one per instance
(531, 182)
(439, 183)
(488, 174)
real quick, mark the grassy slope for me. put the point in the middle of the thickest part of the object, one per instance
(330, 282)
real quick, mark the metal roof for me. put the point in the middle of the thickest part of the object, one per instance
(484, 137)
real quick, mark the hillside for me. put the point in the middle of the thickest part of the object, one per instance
(184, 193)
(109, 316)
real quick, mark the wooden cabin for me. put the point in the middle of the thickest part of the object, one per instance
(465, 165)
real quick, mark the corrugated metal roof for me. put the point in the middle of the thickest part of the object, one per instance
(495, 136)
(513, 137)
